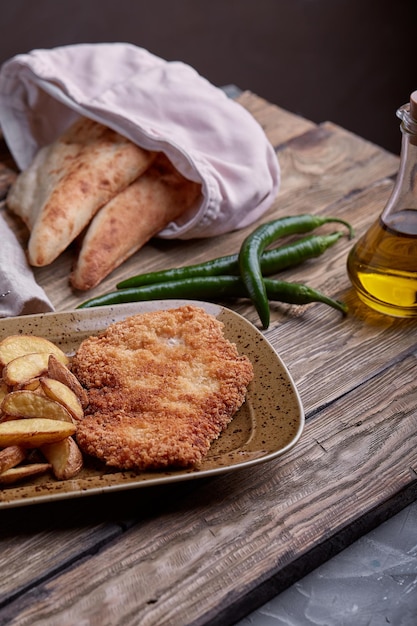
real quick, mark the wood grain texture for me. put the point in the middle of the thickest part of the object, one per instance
(266, 114)
(211, 551)
(54, 548)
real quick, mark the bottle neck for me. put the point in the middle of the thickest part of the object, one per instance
(404, 194)
(408, 122)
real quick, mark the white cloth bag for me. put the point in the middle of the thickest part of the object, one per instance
(157, 104)
(19, 292)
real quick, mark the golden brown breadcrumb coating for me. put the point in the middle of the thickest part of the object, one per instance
(162, 386)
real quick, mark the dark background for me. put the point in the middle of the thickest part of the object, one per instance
(349, 61)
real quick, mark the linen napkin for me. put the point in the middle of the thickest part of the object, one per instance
(19, 292)
(159, 105)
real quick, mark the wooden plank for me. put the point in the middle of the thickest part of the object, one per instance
(314, 360)
(326, 164)
(267, 114)
(38, 541)
(203, 560)
(206, 557)
(58, 543)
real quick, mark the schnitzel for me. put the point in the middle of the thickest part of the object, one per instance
(162, 386)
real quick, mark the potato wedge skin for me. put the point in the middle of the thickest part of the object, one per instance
(11, 456)
(4, 390)
(59, 371)
(34, 432)
(3, 393)
(25, 404)
(65, 458)
(18, 345)
(30, 385)
(26, 367)
(58, 391)
(22, 472)
(7, 418)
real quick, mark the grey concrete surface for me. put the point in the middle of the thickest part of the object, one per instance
(373, 582)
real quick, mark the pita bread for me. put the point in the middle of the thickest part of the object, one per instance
(68, 182)
(130, 219)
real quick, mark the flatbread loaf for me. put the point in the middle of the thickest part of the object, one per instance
(69, 181)
(121, 227)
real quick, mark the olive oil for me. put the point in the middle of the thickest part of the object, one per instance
(382, 265)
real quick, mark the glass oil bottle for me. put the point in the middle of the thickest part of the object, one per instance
(382, 265)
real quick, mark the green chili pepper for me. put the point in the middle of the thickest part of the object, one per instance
(272, 261)
(217, 287)
(296, 293)
(253, 246)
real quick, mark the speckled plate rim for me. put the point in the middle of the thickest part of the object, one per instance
(268, 425)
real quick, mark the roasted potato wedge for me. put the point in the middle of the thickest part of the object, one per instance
(16, 474)
(11, 456)
(64, 456)
(30, 385)
(16, 345)
(59, 392)
(27, 404)
(40, 399)
(24, 368)
(34, 432)
(59, 371)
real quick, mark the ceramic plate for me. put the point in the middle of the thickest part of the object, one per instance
(267, 425)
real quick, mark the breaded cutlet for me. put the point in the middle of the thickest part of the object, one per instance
(162, 386)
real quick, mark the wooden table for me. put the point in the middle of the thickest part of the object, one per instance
(209, 552)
